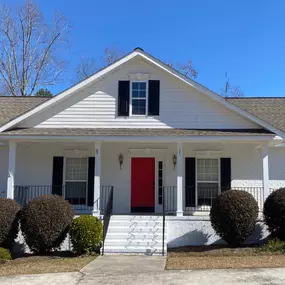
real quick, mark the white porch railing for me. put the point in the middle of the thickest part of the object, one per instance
(78, 200)
(201, 199)
(256, 192)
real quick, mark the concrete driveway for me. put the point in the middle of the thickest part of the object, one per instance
(136, 270)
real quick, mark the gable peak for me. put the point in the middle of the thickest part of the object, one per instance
(138, 49)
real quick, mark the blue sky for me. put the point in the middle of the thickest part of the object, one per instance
(245, 38)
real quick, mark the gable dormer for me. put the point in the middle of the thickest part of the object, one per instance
(138, 96)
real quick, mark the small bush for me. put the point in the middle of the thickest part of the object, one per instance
(86, 234)
(45, 222)
(274, 213)
(5, 254)
(9, 223)
(233, 216)
(274, 245)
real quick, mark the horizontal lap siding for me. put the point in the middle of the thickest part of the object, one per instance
(3, 170)
(180, 106)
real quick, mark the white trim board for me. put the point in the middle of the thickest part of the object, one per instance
(139, 53)
(253, 139)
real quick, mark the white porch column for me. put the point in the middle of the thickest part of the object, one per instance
(179, 211)
(97, 174)
(11, 169)
(265, 171)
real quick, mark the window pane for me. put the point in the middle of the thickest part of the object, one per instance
(138, 107)
(215, 177)
(135, 85)
(138, 94)
(142, 86)
(207, 170)
(208, 177)
(142, 94)
(207, 193)
(75, 192)
(200, 177)
(139, 89)
(135, 94)
(76, 169)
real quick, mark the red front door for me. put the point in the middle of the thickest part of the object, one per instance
(142, 184)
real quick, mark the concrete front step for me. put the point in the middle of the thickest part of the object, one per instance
(140, 243)
(137, 230)
(135, 235)
(127, 223)
(137, 217)
(133, 250)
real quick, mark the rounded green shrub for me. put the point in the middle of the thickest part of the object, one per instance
(5, 254)
(274, 213)
(45, 222)
(9, 222)
(233, 216)
(86, 234)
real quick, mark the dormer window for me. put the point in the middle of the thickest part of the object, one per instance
(139, 98)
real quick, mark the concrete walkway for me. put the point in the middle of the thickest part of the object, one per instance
(144, 270)
(124, 264)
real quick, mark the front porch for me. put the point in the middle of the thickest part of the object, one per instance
(85, 172)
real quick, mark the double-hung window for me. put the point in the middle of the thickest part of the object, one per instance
(139, 98)
(76, 175)
(207, 181)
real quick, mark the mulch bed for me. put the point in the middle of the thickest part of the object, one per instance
(223, 257)
(36, 264)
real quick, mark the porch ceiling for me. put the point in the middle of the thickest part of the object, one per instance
(102, 132)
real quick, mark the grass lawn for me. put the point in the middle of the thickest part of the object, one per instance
(214, 257)
(44, 264)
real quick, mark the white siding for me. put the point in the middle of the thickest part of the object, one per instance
(34, 164)
(180, 106)
(3, 170)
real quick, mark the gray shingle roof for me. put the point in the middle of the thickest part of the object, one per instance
(270, 110)
(131, 132)
(12, 107)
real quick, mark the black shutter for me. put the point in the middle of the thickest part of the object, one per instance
(225, 174)
(124, 98)
(91, 174)
(153, 97)
(57, 175)
(190, 181)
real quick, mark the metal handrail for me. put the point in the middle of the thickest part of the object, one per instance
(106, 218)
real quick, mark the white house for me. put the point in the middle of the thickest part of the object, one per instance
(151, 136)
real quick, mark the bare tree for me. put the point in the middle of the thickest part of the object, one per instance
(30, 49)
(235, 91)
(186, 68)
(111, 54)
(85, 68)
(88, 65)
(231, 91)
